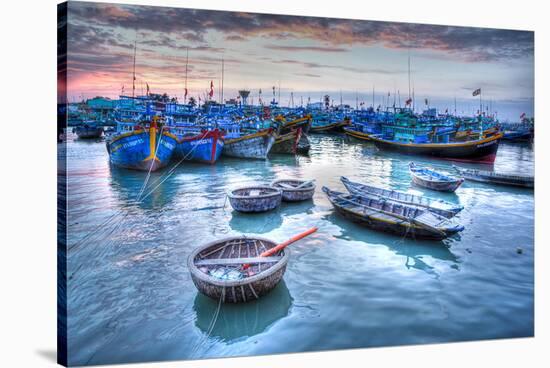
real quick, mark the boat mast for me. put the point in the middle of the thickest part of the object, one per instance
(186, 69)
(222, 79)
(134, 70)
(373, 96)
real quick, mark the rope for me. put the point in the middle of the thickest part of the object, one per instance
(140, 199)
(213, 321)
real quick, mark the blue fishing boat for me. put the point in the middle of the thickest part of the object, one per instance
(435, 180)
(141, 146)
(205, 146)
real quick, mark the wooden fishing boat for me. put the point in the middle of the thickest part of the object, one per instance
(256, 145)
(304, 123)
(255, 198)
(295, 190)
(240, 269)
(435, 180)
(443, 208)
(354, 133)
(287, 143)
(336, 126)
(145, 146)
(496, 178)
(88, 131)
(389, 216)
(218, 268)
(204, 147)
(479, 150)
(303, 146)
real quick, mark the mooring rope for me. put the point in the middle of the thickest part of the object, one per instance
(94, 233)
(213, 321)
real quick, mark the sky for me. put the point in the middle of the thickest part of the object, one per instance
(306, 57)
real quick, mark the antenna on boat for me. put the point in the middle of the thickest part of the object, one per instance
(134, 69)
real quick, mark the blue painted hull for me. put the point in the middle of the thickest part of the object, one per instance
(133, 150)
(204, 147)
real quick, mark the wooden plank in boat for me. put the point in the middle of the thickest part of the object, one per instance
(236, 261)
(428, 219)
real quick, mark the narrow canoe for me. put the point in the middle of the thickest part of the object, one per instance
(432, 179)
(497, 178)
(388, 216)
(438, 206)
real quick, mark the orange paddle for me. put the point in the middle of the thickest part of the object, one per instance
(283, 245)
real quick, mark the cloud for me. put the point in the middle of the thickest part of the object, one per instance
(306, 48)
(464, 43)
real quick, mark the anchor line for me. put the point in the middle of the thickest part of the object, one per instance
(210, 326)
(117, 222)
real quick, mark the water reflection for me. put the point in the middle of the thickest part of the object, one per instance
(129, 187)
(415, 252)
(237, 321)
(255, 223)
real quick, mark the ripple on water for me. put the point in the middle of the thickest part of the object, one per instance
(131, 298)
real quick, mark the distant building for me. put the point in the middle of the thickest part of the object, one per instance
(100, 108)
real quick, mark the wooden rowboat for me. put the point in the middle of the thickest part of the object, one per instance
(217, 268)
(443, 208)
(496, 178)
(435, 180)
(295, 190)
(392, 217)
(255, 198)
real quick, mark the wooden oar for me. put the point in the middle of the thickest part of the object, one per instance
(283, 245)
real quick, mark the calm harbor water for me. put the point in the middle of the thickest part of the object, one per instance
(131, 298)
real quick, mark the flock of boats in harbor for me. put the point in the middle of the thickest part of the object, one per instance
(150, 132)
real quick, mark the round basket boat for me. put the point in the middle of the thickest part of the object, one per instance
(232, 270)
(255, 198)
(291, 192)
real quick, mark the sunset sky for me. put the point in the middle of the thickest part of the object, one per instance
(304, 55)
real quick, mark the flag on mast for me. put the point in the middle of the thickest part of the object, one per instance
(211, 93)
(476, 92)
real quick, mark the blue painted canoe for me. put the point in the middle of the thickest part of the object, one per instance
(435, 180)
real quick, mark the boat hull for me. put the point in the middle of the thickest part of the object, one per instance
(254, 146)
(437, 206)
(243, 290)
(508, 180)
(286, 143)
(337, 127)
(141, 150)
(88, 132)
(243, 201)
(483, 150)
(204, 148)
(438, 186)
(357, 135)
